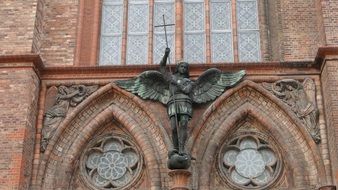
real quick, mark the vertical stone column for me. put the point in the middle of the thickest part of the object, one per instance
(180, 179)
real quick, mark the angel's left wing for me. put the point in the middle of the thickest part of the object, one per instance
(148, 85)
(212, 83)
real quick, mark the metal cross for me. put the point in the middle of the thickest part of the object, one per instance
(166, 42)
(165, 30)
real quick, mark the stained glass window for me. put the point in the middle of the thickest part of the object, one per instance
(221, 31)
(194, 31)
(111, 32)
(166, 8)
(248, 30)
(231, 25)
(137, 39)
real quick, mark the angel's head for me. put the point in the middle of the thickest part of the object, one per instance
(182, 68)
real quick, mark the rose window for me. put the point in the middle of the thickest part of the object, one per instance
(249, 162)
(111, 163)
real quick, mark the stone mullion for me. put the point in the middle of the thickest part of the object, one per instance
(207, 32)
(179, 30)
(124, 33)
(234, 30)
(151, 32)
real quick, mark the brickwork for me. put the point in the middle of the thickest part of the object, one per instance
(39, 26)
(330, 16)
(17, 19)
(66, 33)
(59, 31)
(298, 149)
(330, 86)
(95, 112)
(19, 94)
(299, 32)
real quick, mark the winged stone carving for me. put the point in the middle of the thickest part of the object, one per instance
(66, 97)
(301, 98)
(178, 93)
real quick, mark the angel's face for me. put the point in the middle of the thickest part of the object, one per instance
(183, 68)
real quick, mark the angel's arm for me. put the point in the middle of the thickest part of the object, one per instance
(187, 88)
(163, 62)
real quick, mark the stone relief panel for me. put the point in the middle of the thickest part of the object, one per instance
(111, 161)
(301, 98)
(66, 97)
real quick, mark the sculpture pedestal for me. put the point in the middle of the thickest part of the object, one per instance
(328, 187)
(180, 179)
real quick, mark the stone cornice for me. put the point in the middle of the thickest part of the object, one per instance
(326, 53)
(127, 71)
(34, 61)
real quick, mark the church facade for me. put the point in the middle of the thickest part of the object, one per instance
(66, 124)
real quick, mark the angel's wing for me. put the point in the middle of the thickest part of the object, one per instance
(148, 85)
(212, 83)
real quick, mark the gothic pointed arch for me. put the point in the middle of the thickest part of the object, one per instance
(302, 163)
(114, 116)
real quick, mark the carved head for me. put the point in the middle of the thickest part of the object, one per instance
(182, 68)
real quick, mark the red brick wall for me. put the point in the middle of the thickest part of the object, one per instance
(330, 15)
(19, 93)
(299, 32)
(39, 27)
(16, 26)
(330, 95)
(59, 31)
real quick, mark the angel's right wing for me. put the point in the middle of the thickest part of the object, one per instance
(148, 85)
(212, 84)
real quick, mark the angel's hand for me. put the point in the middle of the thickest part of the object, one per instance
(167, 51)
(173, 81)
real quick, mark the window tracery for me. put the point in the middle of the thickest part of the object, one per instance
(249, 162)
(111, 162)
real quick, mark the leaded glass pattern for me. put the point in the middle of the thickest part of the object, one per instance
(137, 39)
(161, 8)
(194, 31)
(111, 162)
(111, 32)
(221, 31)
(249, 161)
(249, 46)
(194, 34)
(248, 31)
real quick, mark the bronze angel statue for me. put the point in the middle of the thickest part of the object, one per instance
(179, 93)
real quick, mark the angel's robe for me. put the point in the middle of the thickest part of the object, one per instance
(180, 102)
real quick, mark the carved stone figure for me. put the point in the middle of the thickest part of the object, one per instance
(66, 97)
(301, 97)
(178, 92)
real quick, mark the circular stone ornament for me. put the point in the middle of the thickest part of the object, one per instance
(249, 162)
(111, 162)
